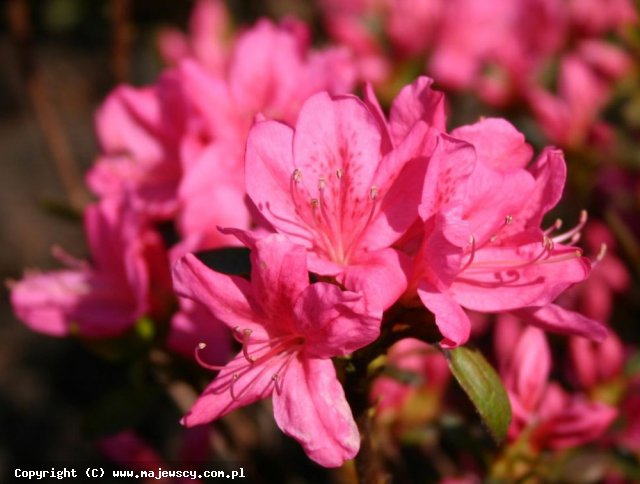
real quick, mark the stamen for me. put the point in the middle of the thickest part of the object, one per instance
(339, 173)
(234, 378)
(576, 230)
(557, 225)
(314, 202)
(246, 334)
(373, 195)
(508, 220)
(67, 259)
(322, 183)
(472, 241)
(201, 362)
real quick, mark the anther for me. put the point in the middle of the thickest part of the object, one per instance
(339, 173)
(297, 175)
(373, 192)
(315, 203)
(322, 183)
(508, 220)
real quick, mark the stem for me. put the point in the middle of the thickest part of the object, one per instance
(398, 323)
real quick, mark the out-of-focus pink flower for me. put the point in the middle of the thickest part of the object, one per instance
(599, 16)
(176, 148)
(346, 185)
(567, 117)
(355, 23)
(138, 129)
(289, 332)
(429, 373)
(127, 278)
(128, 450)
(556, 419)
(595, 364)
(483, 247)
(205, 42)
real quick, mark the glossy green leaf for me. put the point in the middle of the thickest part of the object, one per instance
(484, 388)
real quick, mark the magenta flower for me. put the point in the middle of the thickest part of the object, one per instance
(289, 331)
(127, 278)
(483, 249)
(176, 148)
(557, 419)
(208, 25)
(345, 185)
(137, 129)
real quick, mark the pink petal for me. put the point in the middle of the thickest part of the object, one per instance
(334, 322)
(371, 101)
(278, 277)
(193, 324)
(337, 134)
(128, 123)
(552, 317)
(497, 142)
(269, 168)
(416, 102)
(449, 167)
(44, 301)
(452, 321)
(578, 422)
(505, 278)
(550, 173)
(495, 196)
(268, 53)
(400, 178)
(212, 194)
(313, 410)
(528, 369)
(228, 298)
(381, 276)
(238, 384)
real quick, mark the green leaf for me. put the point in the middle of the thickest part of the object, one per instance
(483, 386)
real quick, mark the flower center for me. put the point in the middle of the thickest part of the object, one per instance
(272, 355)
(336, 217)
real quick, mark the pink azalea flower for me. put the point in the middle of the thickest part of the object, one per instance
(345, 184)
(598, 363)
(138, 130)
(483, 249)
(289, 332)
(208, 25)
(558, 420)
(127, 278)
(176, 148)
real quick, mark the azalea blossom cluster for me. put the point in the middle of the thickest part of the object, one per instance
(556, 56)
(361, 222)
